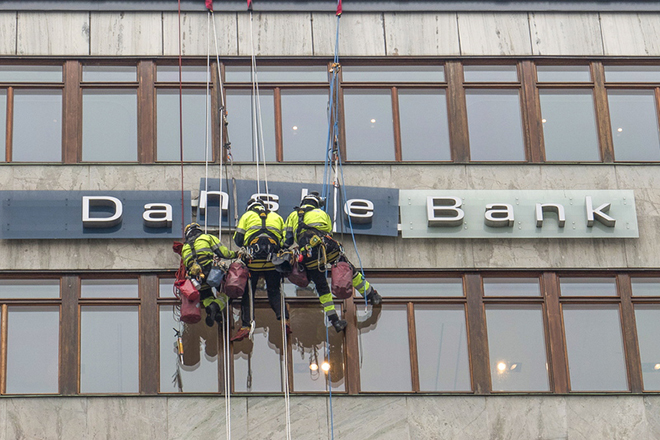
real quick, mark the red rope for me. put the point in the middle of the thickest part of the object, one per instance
(181, 123)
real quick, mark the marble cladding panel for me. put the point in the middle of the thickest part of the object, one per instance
(631, 34)
(456, 418)
(375, 252)
(371, 418)
(52, 33)
(266, 418)
(606, 417)
(510, 253)
(360, 34)
(577, 177)
(494, 34)
(120, 34)
(586, 253)
(272, 34)
(643, 252)
(126, 418)
(504, 177)
(637, 177)
(367, 175)
(205, 417)
(432, 254)
(435, 34)
(44, 419)
(526, 418)
(566, 34)
(429, 176)
(8, 32)
(652, 412)
(195, 34)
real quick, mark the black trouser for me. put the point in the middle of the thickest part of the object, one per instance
(273, 280)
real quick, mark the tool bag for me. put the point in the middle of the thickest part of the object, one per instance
(236, 279)
(342, 280)
(298, 275)
(216, 274)
(189, 296)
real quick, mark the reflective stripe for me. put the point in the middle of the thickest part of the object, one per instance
(240, 231)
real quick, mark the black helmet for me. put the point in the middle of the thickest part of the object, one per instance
(255, 202)
(313, 198)
(192, 229)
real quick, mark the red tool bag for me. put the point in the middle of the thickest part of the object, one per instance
(236, 279)
(342, 280)
(298, 275)
(187, 293)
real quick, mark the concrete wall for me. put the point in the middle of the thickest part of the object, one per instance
(313, 34)
(368, 418)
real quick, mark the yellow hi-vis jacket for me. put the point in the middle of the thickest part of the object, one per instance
(205, 247)
(314, 217)
(251, 224)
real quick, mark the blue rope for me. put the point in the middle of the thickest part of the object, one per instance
(327, 356)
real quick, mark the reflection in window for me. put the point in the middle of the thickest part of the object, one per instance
(594, 346)
(33, 350)
(166, 287)
(632, 74)
(368, 123)
(563, 73)
(511, 287)
(516, 347)
(494, 125)
(309, 346)
(37, 126)
(170, 74)
(239, 106)
(569, 125)
(109, 125)
(490, 73)
(645, 286)
(24, 74)
(424, 126)
(384, 349)
(109, 73)
(29, 289)
(588, 287)
(418, 286)
(199, 372)
(634, 125)
(398, 74)
(197, 146)
(304, 125)
(648, 328)
(109, 349)
(442, 348)
(258, 363)
(109, 288)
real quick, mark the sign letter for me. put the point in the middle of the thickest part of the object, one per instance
(359, 210)
(499, 215)
(157, 215)
(217, 195)
(271, 200)
(559, 209)
(599, 214)
(101, 222)
(444, 211)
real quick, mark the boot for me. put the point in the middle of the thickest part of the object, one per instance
(374, 298)
(213, 314)
(243, 333)
(339, 325)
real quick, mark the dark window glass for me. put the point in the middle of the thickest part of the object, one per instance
(648, 328)
(37, 126)
(170, 74)
(242, 129)
(109, 288)
(3, 122)
(199, 372)
(588, 287)
(569, 125)
(109, 126)
(166, 287)
(277, 74)
(634, 125)
(197, 139)
(490, 73)
(563, 73)
(424, 126)
(109, 74)
(511, 287)
(25, 74)
(418, 286)
(33, 350)
(368, 123)
(516, 347)
(645, 286)
(396, 74)
(304, 125)
(442, 348)
(594, 345)
(494, 125)
(29, 288)
(632, 74)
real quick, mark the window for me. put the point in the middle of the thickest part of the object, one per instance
(389, 287)
(634, 125)
(109, 289)
(648, 326)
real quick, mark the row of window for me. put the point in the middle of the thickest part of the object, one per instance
(518, 112)
(471, 333)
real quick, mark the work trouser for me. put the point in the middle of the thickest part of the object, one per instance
(273, 288)
(333, 253)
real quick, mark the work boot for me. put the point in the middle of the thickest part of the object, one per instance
(374, 298)
(339, 325)
(213, 314)
(243, 333)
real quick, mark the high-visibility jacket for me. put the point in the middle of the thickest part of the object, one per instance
(314, 219)
(256, 223)
(206, 246)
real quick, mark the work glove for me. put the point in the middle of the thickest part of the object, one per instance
(195, 269)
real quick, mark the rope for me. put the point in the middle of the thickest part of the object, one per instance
(285, 364)
(181, 123)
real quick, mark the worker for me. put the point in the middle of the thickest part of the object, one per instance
(259, 232)
(310, 228)
(198, 253)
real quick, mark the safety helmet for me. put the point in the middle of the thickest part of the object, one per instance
(191, 228)
(313, 198)
(255, 202)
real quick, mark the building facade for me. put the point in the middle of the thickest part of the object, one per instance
(533, 316)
